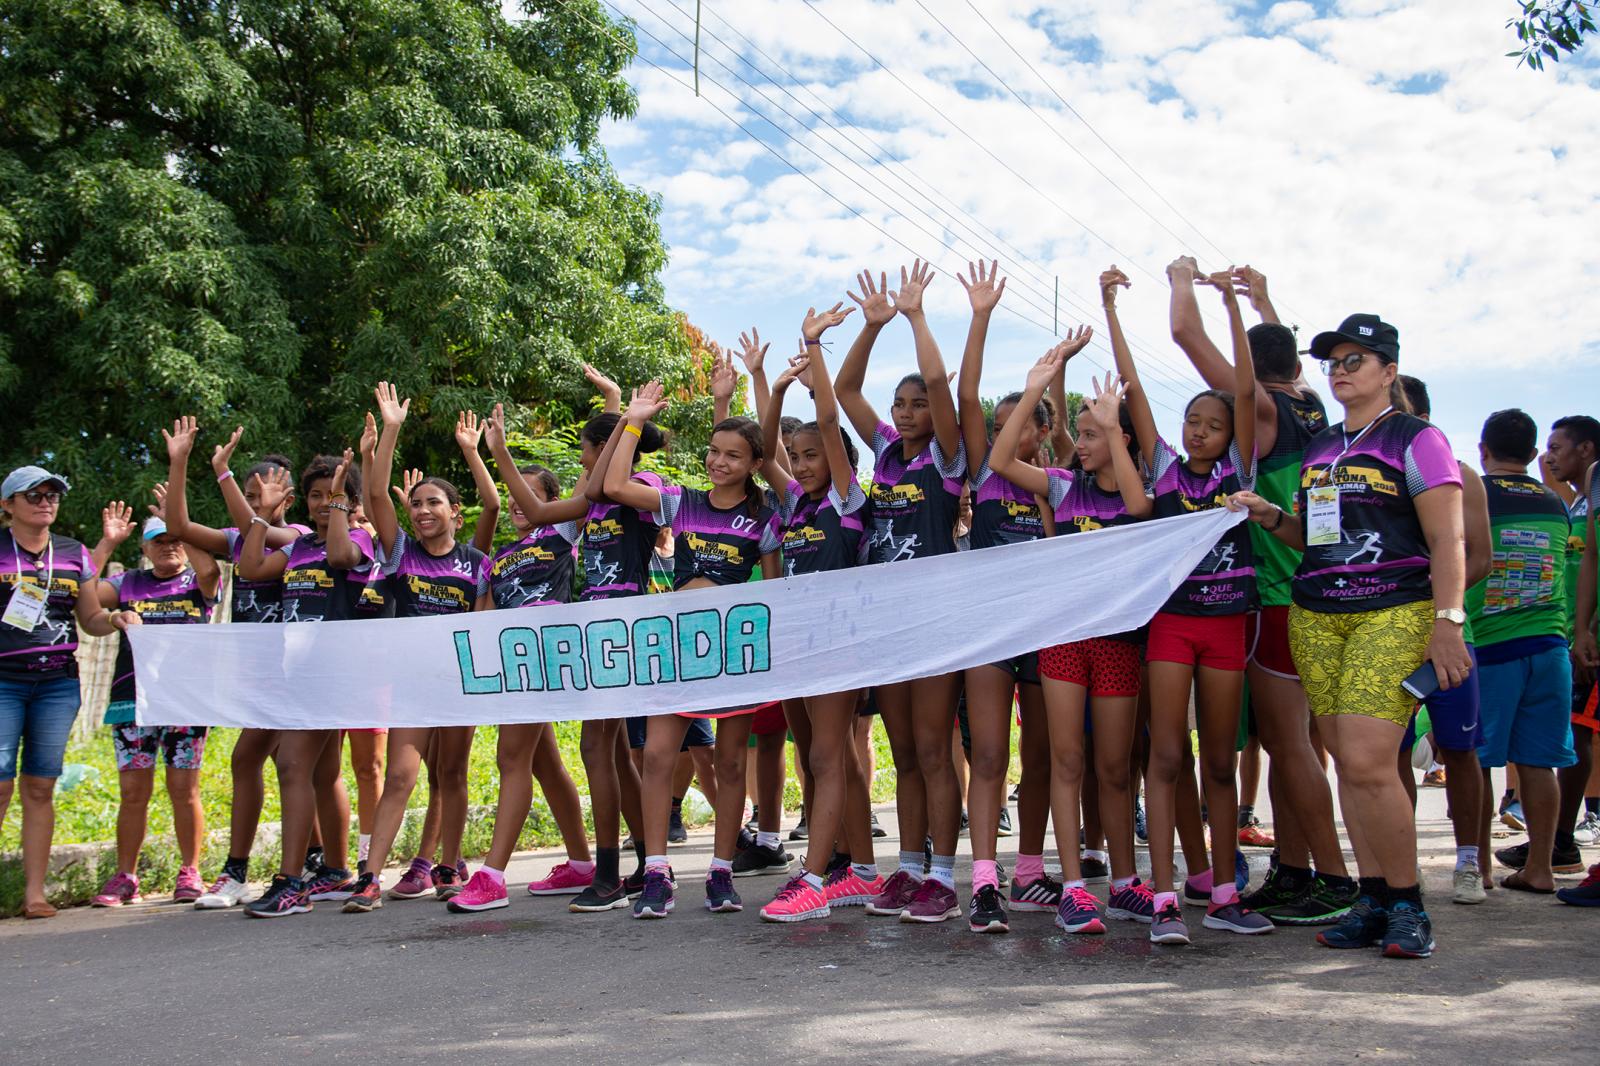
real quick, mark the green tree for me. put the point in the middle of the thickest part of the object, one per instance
(1547, 28)
(252, 210)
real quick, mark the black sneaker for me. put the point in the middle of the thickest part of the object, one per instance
(314, 857)
(285, 896)
(878, 831)
(1362, 926)
(965, 824)
(1016, 792)
(1042, 895)
(598, 897)
(1562, 860)
(987, 912)
(633, 884)
(756, 860)
(655, 900)
(800, 832)
(1320, 904)
(447, 882)
(676, 833)
(1094, 871)
(836, 861)
(1274, 891)
(1005, 822)
(330, 884)
(1141, 828)
(747, 838)
(720, 895)
(1409, 934)
(754, 821)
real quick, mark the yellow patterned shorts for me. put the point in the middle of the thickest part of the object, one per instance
(1354, 663)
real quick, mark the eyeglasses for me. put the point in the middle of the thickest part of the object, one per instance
(38, 496)
(1349, 364)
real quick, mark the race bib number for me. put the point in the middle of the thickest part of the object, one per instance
(27, 607)
(1322, 516)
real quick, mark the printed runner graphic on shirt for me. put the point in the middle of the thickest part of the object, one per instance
(730, 646)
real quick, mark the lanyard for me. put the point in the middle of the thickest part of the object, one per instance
(1326, 477)
(50, 564)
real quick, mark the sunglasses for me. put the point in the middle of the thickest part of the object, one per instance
(42, 496)
(1349, 364)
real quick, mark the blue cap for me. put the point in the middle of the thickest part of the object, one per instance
(24, 478)
(153, 527)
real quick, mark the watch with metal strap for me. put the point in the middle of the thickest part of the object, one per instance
(1451, 614)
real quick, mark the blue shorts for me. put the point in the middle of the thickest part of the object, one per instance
(698, 736)
(1527, 710)
(1455, 714)
(36, 719)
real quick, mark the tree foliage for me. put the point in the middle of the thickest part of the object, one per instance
(1547, 28)
(252, 210)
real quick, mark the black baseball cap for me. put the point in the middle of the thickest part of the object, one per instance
(1369, 331)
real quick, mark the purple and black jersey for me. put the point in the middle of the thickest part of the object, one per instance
(49, 650)
(536, 570)
(823, 534)
(1003, 512)
(314, 591)
(425, 585)
(158, 601)
(1381, 559)
(721, 545)
(254, 601)
(915, 501)
(1080, 505)
(617, 544)
(1225, 581)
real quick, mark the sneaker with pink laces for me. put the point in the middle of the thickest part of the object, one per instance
(483, 892)
(189, 887)
(933, 901)
(796, 901)
(844, 888)
(415, 882)
(122, 888)
(563, 881)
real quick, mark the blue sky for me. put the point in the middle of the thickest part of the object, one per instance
(1367, 155)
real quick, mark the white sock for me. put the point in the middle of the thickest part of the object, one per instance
(498, 875)
(767, 840)
(363, 846)
(1466, 856)
(657, 862)
(813, 880)
(867, 871)
(720, 864)
(1102, 856)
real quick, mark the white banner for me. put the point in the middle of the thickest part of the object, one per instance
(726, 647)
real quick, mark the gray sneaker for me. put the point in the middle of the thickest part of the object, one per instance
(1167, 927)
(1468, 881)
(1587, 832)
(1236, 918)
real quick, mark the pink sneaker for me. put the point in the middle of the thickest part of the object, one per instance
(188, 889)
(122, 888)
(796, 901)
(414, 882)
(844, 888)
(897, 892)
(563, 881)
(483, 892)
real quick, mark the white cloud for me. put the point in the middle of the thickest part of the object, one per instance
(1286, 14)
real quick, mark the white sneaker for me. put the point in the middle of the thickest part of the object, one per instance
(1468, 883)
(1587, 832)
(226, 892)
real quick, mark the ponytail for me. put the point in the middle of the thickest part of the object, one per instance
(1398, 398)
(754, 498)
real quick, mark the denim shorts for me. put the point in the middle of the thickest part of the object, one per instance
(36, 720)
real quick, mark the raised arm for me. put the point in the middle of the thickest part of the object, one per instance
(1003, 460)
(469, 431)
(537, 511)
(724, 380)
(1062, 445)
(827, 404)
(255, 563)
(876, 312)
(983, 293)
(1252, 284)
(610, 392)
(776, 469)
(116, 524)
(392, 412)
(342, 551)
(239, 512)
(1144, 422)
(941, 405)
(595, 490)
(1190, 334)
(1103, 409)
(754, 356)
(180, 442)
(620, 486)
(1245, 415)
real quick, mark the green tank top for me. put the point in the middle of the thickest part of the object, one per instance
(1278, 481)
(1525, 594)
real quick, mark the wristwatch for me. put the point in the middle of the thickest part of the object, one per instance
(1452, 614)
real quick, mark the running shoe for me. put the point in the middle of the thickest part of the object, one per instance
(121, 889)
(224, 892)
(655, 901)
(1511, 815)
(189, 887)
(965, 825)
(1141, 828)
(1079, 912)
(599, 897)
(285, 896)
(330, 884)
(1194, 895)
(1133, 903)
(414, 882)
(1274, 891)
(895, 895)
(562, 881)
(1562, 860)
(1241, 871)
(931, 902)
(800, 831)
(1095, 871)
(1253, 836)
(1409, 934)
(987, 912)
(1168, 926)
(1319, 904)
(367, 895)
(482, 892)
(1362, 926)
(1234, 917)
(1041, 894)
(757, 860)
(1467, 885)
(633, 884)
(836, 861)
(446, 881)
(753, 822)
(313, 863)
(797, 901)
(878, 831)
(845, 888)
(1584, 894)
(1587, 832)
(1005, 829)
(720, 895)
(1433, 778)
(676, 832)
(1016, 792)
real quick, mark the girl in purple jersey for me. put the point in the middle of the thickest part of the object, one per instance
(722, 535)
(532, 571)
(916, 489)
(1004, 512)
(431, 574)
(1197, 640)
(1106, 491)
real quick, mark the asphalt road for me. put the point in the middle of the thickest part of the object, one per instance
(1514, 979)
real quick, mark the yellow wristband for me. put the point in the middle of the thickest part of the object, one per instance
(631, 428)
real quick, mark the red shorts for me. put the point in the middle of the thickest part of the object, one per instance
(1197, 640)
(769, 719)
(1268, 637)
(1106, 668)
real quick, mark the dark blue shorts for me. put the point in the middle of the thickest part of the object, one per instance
(698, 736)
(1457, 723)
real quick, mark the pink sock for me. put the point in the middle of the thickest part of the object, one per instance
(581, 867)
(1165, 899)
(984, 873)
(1222, 895)
(1202, 880)
(1029, 868)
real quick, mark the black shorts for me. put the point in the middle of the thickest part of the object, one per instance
(698, 736)
(1022, 668)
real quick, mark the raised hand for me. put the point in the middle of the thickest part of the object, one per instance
(982, 290)
(647, 402)
(1075, 342)
(723, 377)
(1251, 284)
(1106, 407)
(876, 309)
(1183, 269)
(180, 442)
(340, 472)
(409, 480)
(369, 436)
(1225, 282)
(1040, 373)
(908, 300)
(799, 364)
(272, 492)
(494, 428)
(469, 430)
(116, 521)
(391, 409)
(222, 455)
(159, 508)
(603, 385)
(1110, 281)
(814, 325)
(751, 351)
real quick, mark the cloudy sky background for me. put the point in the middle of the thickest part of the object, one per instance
(1367, 155)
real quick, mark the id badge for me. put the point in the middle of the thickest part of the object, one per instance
(1322, 516)
(27, 607)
